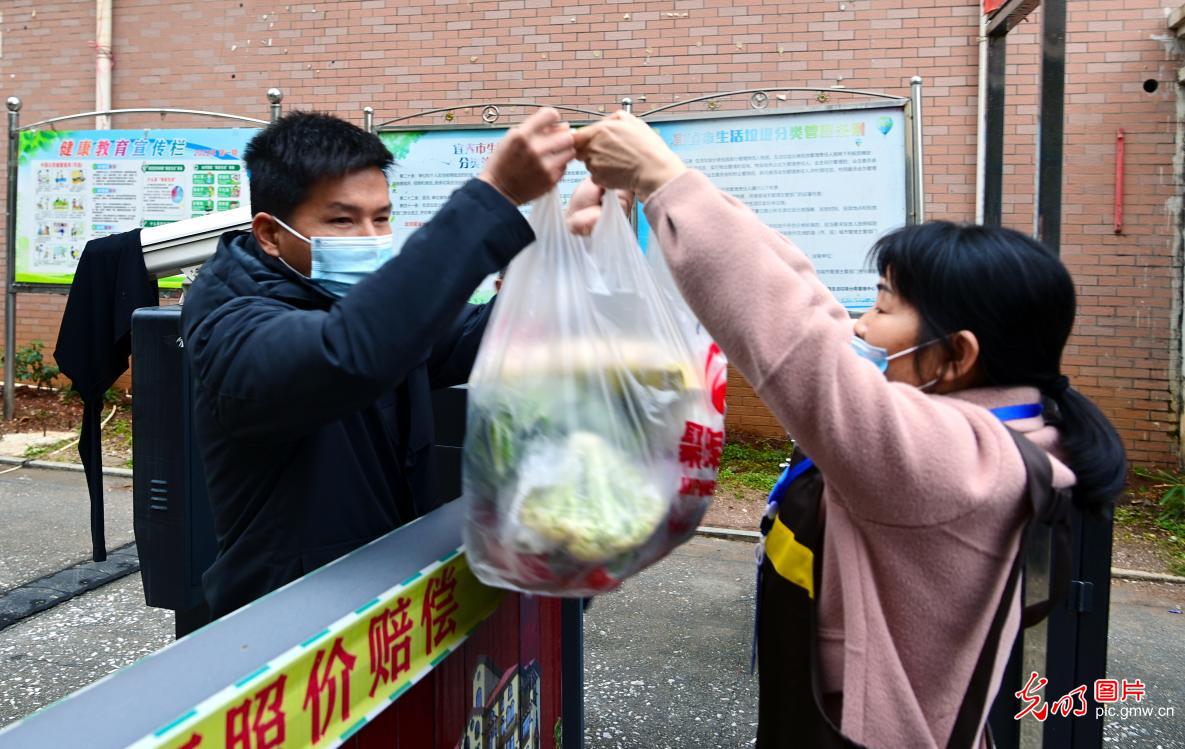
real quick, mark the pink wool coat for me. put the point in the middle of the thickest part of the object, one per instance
(924, 499)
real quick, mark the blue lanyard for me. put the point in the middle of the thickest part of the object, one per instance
(1023, 411)
(1003, 413)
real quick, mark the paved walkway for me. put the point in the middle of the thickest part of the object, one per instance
(667, 655)
(45, 521)
(50, 655)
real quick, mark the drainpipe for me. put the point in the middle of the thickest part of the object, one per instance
(981, 121)
(102, 63)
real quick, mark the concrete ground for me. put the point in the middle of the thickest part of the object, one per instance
(57, 652)
(667, 654)
(45, 521)
(1147, 642)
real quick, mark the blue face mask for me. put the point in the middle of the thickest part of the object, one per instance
(340, 262)
(880, 357)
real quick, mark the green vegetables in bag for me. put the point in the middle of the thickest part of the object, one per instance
(571, 455)
(595, 504)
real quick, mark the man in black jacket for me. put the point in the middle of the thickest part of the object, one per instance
(314, 359)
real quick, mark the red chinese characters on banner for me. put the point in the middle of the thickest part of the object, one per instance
(337, 667)
(66, 148)
(194, 741)
(700, 447)
(438, 609)
(390, 644)
(257, 722)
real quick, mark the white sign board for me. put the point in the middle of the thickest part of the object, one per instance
(78, 185)
(431, 164)
(832, 181)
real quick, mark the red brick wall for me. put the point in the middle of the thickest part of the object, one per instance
(1128, 283)
(30, 42)
(410, 56)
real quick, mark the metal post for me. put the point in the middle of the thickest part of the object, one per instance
(980, 118)
(368, 119)
(919, 181)
(274, 97)
(627, 106)
(103, 62)
(1077, 645)
(993, 171)
(572, 687)
(1051, 127)
(1089, 608)
(14, 142)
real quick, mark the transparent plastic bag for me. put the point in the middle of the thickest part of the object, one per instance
(703, 348)
(592, 442)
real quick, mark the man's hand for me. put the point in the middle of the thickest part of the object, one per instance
(624, 153)
(584, 209)
(531, 158)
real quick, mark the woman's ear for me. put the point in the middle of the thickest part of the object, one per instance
(962, 368)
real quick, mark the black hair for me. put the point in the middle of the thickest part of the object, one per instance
(290, 155)
(1018, 299)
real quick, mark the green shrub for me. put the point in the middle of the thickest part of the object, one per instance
(1172, 493)
(30, 366)
(753, 464)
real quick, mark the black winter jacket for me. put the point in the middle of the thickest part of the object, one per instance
(313, 414)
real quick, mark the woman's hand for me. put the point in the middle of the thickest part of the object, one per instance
(624, 153)
(584, 208)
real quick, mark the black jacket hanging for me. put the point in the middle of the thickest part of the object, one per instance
(95, 341)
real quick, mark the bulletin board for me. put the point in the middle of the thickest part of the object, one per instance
(79, 185)
(832, 179)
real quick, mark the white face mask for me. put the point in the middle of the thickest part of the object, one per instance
(880, 357)
(340, 262)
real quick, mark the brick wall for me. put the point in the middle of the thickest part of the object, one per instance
(410, 56)
(1128, 282)
(33, 32)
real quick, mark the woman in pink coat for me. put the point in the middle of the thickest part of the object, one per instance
(888, 600)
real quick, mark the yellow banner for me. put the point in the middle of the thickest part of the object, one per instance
(321, 692)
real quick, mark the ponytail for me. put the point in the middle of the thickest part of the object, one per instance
(1091, 446)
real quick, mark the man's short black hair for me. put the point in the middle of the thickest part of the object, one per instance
(290, 155)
